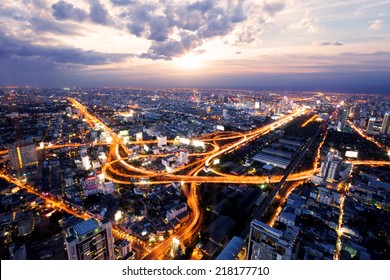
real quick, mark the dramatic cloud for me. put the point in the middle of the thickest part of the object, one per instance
(98, 13)
(63, 10)
(376, 25)
(171, 48)
(88, 42)
(13, 48)
(204, 20)
(41, 25)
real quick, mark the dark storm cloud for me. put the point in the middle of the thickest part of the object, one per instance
(15, 48)
(63, 10)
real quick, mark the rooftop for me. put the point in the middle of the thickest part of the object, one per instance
(85, 228)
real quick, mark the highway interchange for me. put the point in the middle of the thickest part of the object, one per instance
(130, 174)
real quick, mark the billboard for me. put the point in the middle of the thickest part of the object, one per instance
(351, 154)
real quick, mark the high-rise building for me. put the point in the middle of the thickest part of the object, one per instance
(69, 110)
(342, 118)
(334, 169)
(183, 157)
(268, 243)
(356, 112)
(386, 123)
(104, 101)
(175, 248)
(17, 252)
(370, 125)
(90, 240)
(277, 109)
(362, 122)
(330, 166)
(139, 136)
(225, 114)
(22, 155)
(161, 141)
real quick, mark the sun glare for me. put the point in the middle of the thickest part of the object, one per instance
(189, 61)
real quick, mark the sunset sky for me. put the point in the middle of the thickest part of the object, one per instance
(274, 44)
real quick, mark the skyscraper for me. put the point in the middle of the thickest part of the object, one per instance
(268, 243)
(386, 124)
(22, 155)
(104, 101)
(175, 248)
(342, 118)
(334, 169)
(330, 166)
(90, 240)
(370, 125)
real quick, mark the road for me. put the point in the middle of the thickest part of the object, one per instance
(259, 213)
(231, 140)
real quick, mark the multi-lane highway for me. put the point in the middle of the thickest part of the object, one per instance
(130, 173)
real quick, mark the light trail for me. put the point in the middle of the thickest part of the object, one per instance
(192, 178)
(309, 120)
(62, 206)
(371, 139)
(339, 230)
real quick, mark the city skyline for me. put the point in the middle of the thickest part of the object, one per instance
(279, 44)
(193, 174)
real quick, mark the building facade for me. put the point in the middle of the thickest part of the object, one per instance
(267, 243)
(90, 240)
(22, 155)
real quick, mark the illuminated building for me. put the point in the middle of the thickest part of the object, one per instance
(386, 124)
(225, 113)
(272, 160)
(85, 162)
(175, 248)
(342, 118)
(175, 211)
(330, 166)
(104, 101)
(232, 249)
(277, 110)
(183, 157)
(69, 110)
(334, 169)
(22, 156)
(161, 141)
(122, 247)
(370, 125)
(90, 240)
(138, 136)
(268, 243)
